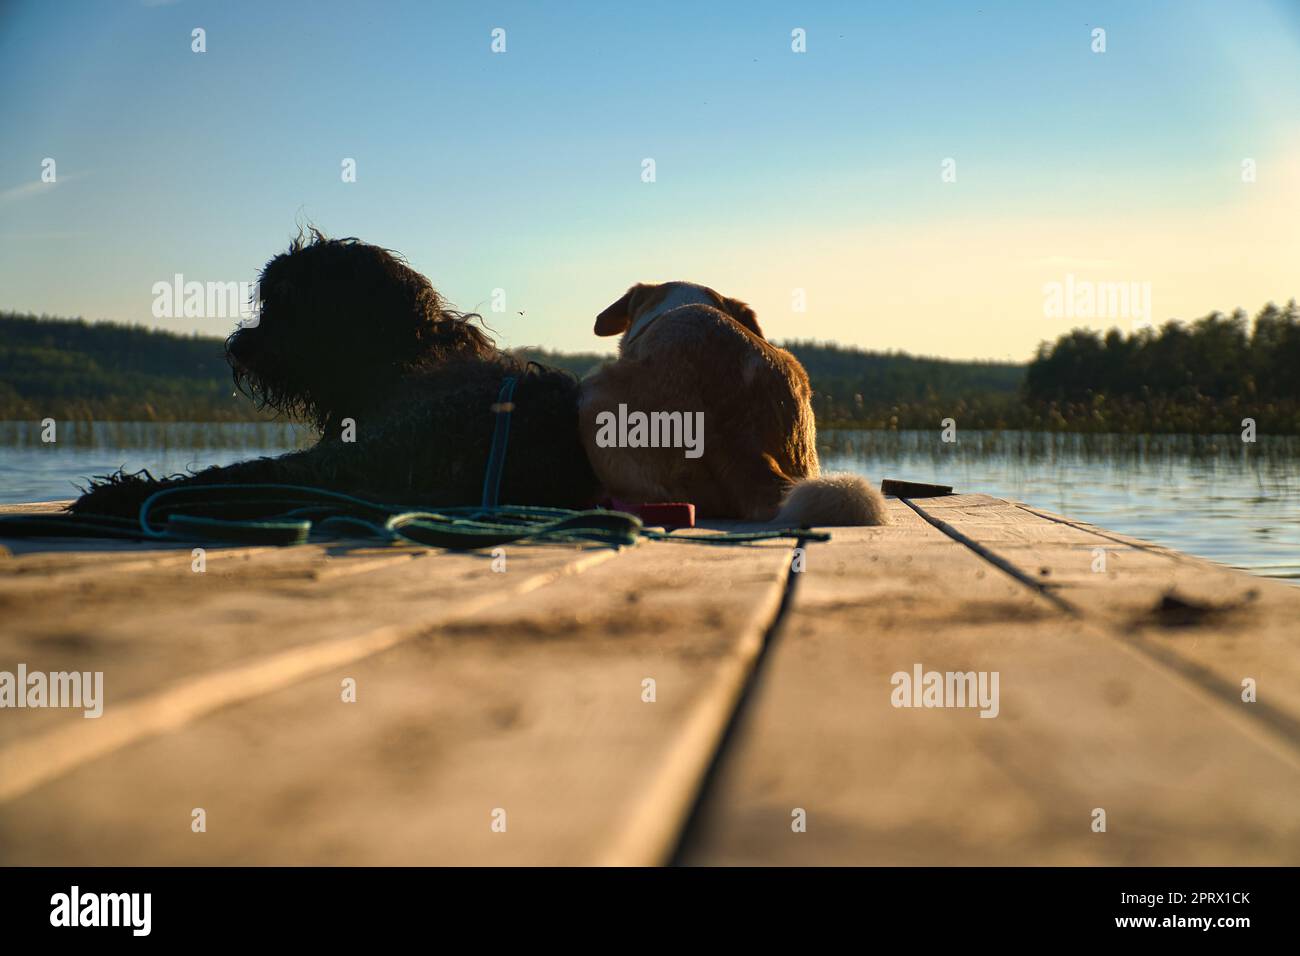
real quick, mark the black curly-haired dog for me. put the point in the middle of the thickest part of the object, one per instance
(346, 330)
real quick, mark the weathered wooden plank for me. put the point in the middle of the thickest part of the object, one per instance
(1216, 625)
(140, 613)
(196, 644)
(1085, 722)
(531, 705)
(35, 507)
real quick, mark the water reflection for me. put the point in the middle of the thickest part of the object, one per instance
(1210, 495)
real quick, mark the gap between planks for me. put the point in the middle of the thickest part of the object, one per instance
(662, 817)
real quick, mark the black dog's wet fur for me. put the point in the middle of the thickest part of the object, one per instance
(347, 330)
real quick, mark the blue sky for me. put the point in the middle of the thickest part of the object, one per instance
(775, 170)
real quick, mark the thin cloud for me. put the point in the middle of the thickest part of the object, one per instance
(35, 187)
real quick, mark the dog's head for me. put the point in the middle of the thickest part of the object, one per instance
(339, 319)
(643, 303)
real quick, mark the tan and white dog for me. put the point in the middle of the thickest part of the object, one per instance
(687, 349)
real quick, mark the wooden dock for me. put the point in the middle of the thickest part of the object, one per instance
(502, 717)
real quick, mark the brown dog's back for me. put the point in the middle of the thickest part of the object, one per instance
(759, 434)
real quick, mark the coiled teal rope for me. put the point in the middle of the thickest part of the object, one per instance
(289, 514)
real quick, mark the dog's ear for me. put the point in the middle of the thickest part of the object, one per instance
(616, 319)
(743, 314)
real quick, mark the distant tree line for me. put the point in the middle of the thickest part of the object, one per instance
(1205, 376)
(73, 369)
(896, 390)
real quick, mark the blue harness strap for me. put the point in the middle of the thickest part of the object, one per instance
(500, 439)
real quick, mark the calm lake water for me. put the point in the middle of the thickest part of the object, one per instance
(1213, 496)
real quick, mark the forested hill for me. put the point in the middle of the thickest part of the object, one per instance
(1203, 376)
(76, 369)
(71, 369)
